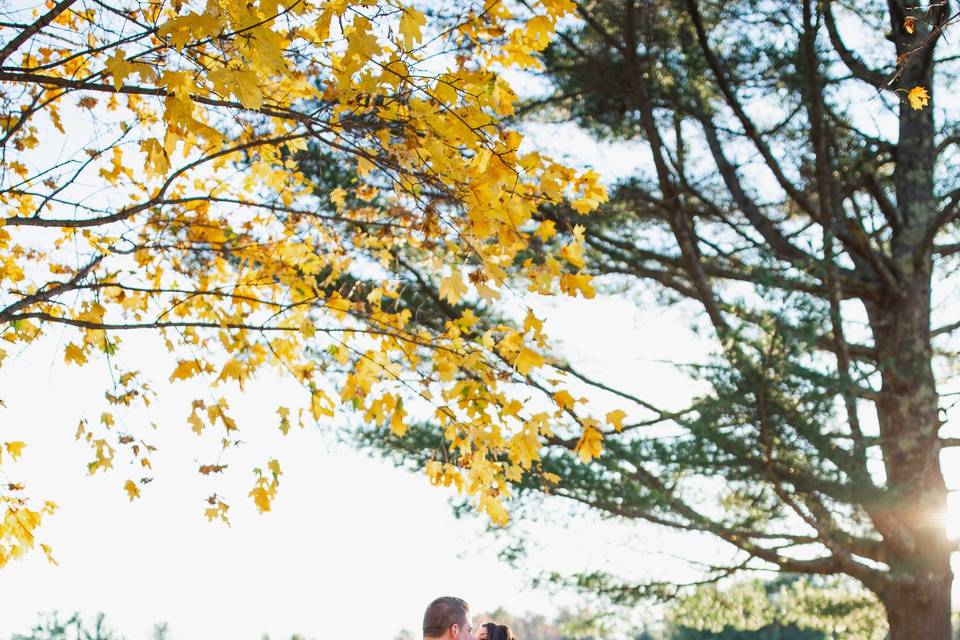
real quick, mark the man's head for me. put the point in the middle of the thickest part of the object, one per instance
(447, 618)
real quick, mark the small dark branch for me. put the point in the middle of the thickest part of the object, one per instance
(34, 28)
(233, 326)
(668, 280)
(887, 208)
(842, 352)
(947, 213)
(48, 293)
(946, 250)
(133, 326)
(857, 352)
(824, 525)
(662, 415)
(26, 111)
(277, 207)
(126, 212)
(612, 42)
(783, 248)
(738, 271)
(681, 224)
(945, 329)
(824, 565)
(946, 142)
(831, 213)
(707, 526)
(857, 67)
(749, 128)
(86, 85)
(429, 290)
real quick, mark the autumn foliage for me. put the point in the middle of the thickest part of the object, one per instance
(150, 182)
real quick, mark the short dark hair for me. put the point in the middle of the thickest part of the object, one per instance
(442, 613)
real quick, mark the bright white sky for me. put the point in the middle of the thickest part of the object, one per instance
(353, 544)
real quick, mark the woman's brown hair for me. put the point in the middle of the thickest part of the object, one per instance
(499, 632)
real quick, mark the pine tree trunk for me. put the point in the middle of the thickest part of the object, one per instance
(910, 518)
(920, 612)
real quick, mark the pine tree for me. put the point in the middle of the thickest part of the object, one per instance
(795, 189)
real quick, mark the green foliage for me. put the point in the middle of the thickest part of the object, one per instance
(52, 627)
(789, 607)
(768, 632)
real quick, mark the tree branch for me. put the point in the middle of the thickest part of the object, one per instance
(34, 28)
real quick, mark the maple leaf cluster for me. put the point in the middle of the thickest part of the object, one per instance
(188, 214)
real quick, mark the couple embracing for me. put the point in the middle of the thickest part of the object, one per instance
(448, 618)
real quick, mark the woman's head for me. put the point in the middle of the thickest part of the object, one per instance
(499, 632)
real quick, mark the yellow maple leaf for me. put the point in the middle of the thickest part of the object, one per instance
(546, 230)
(397, 426)
(157, 163)
(573, 253)
(274, 467)
(321, 404)
(452, 287)
(486, 292)
(133, 491)
(233, 369)
(364, 166)
(193, 26)
(539, 30)
(339, 305)
(362, 44)
(248, 89)
(185, 369)
(918, 97)
(615, 418)
(526, 360)
(196, 423)
(15, 448)
(338, 197)
(261, 498)
(218, 510)
(120, 68)
(572, 284)
(74, 354)
(284, 414)
(532, 323)
(467, 320)
(564, 399)
(590, 445)
(411, 24)
(559, 8)
(494, 509)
